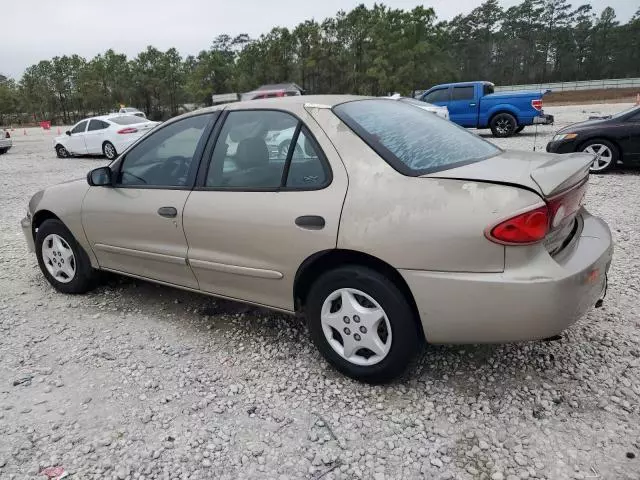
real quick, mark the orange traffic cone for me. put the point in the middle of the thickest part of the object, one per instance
(58, 130)
(638, 99)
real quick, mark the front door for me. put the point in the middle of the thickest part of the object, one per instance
(261, 209)
(630, 139)
(75, 142)
(136, 226)
(463, 107)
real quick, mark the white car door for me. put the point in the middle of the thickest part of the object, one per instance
(95, 136)
(75, 143)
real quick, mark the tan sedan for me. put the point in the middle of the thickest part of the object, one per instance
(383, 223)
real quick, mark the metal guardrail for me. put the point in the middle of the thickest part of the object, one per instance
(573, 86)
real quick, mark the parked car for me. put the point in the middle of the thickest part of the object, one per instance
(107, 135)
(612, 139)
(5, 141)
(132, 111)
(438, 110)
(475, 105)
(394, 226)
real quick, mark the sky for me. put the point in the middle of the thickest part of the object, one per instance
(34, 30)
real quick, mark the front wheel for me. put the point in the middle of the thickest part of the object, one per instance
(3, 150)
(519, 129)
(362, 324)
(606, 155)
(503, 125)
(63, 262)
(62, 152)
(109, 150)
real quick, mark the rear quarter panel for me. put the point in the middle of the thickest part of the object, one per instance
(418, 223)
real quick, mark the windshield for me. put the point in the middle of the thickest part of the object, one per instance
(625, 112)
(412, 140)
(126, 120)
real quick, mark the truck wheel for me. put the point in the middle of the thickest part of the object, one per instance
(520, 128)
(503, 125)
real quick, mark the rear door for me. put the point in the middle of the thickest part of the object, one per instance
(95, 136)
(464, 106)
(257, 211)
(76, 141)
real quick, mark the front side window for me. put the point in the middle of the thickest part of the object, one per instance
(97, 125)
(462, 93)
(165, 157)
(80, 128)
(441, 95)
(252, 149)
(413, 141)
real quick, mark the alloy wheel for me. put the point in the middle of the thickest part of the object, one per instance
(604, 156)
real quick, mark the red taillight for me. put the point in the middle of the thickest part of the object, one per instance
(128, 130)
(280, 94)
(528, 227)
(563, 206)
(537, 104)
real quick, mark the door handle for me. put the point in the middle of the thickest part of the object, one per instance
(472, 104)
(310, 222)
(169, 212)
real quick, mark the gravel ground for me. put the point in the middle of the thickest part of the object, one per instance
(141, 381)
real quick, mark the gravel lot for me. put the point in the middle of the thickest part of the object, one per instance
(140, 381)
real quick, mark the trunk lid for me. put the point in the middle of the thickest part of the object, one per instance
(545, 173)
(560, 179)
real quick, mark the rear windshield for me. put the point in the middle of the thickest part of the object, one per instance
(412, 140)
(125, 120)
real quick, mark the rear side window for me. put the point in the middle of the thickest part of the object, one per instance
(487, 89)
(126, 120)
(97, 125)
(413, 141)
(441, 95)
(462, 93)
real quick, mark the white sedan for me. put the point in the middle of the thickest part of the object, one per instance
(132, 111)
(108, 135)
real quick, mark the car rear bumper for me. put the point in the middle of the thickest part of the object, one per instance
(544, 119)
(25, 223)
(536, 299)
(6, 143)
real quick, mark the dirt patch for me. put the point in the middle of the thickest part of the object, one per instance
(606, 95)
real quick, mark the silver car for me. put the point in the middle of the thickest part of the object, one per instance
(382, 223)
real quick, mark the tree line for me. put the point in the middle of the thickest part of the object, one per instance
(371, 51)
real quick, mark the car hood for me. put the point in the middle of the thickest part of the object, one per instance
(544, 173)
(584, 125)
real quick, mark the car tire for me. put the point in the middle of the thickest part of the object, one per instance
(519, 129)
(62, 260)
(62, 152)
(396, 333)
(609, 158)
(109, 151)
(503, 125)
(3, 150)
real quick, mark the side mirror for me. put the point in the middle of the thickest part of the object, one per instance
(68, 132)
(100, 177)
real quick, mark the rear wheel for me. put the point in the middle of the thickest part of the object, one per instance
(62, 152)
(606, 155)
(503, 125)
(109, 150)
(362, 323)
(63, 262)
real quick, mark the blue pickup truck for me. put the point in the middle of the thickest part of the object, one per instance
(475, 105)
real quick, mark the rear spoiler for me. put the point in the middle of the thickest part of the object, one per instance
(221, 98)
